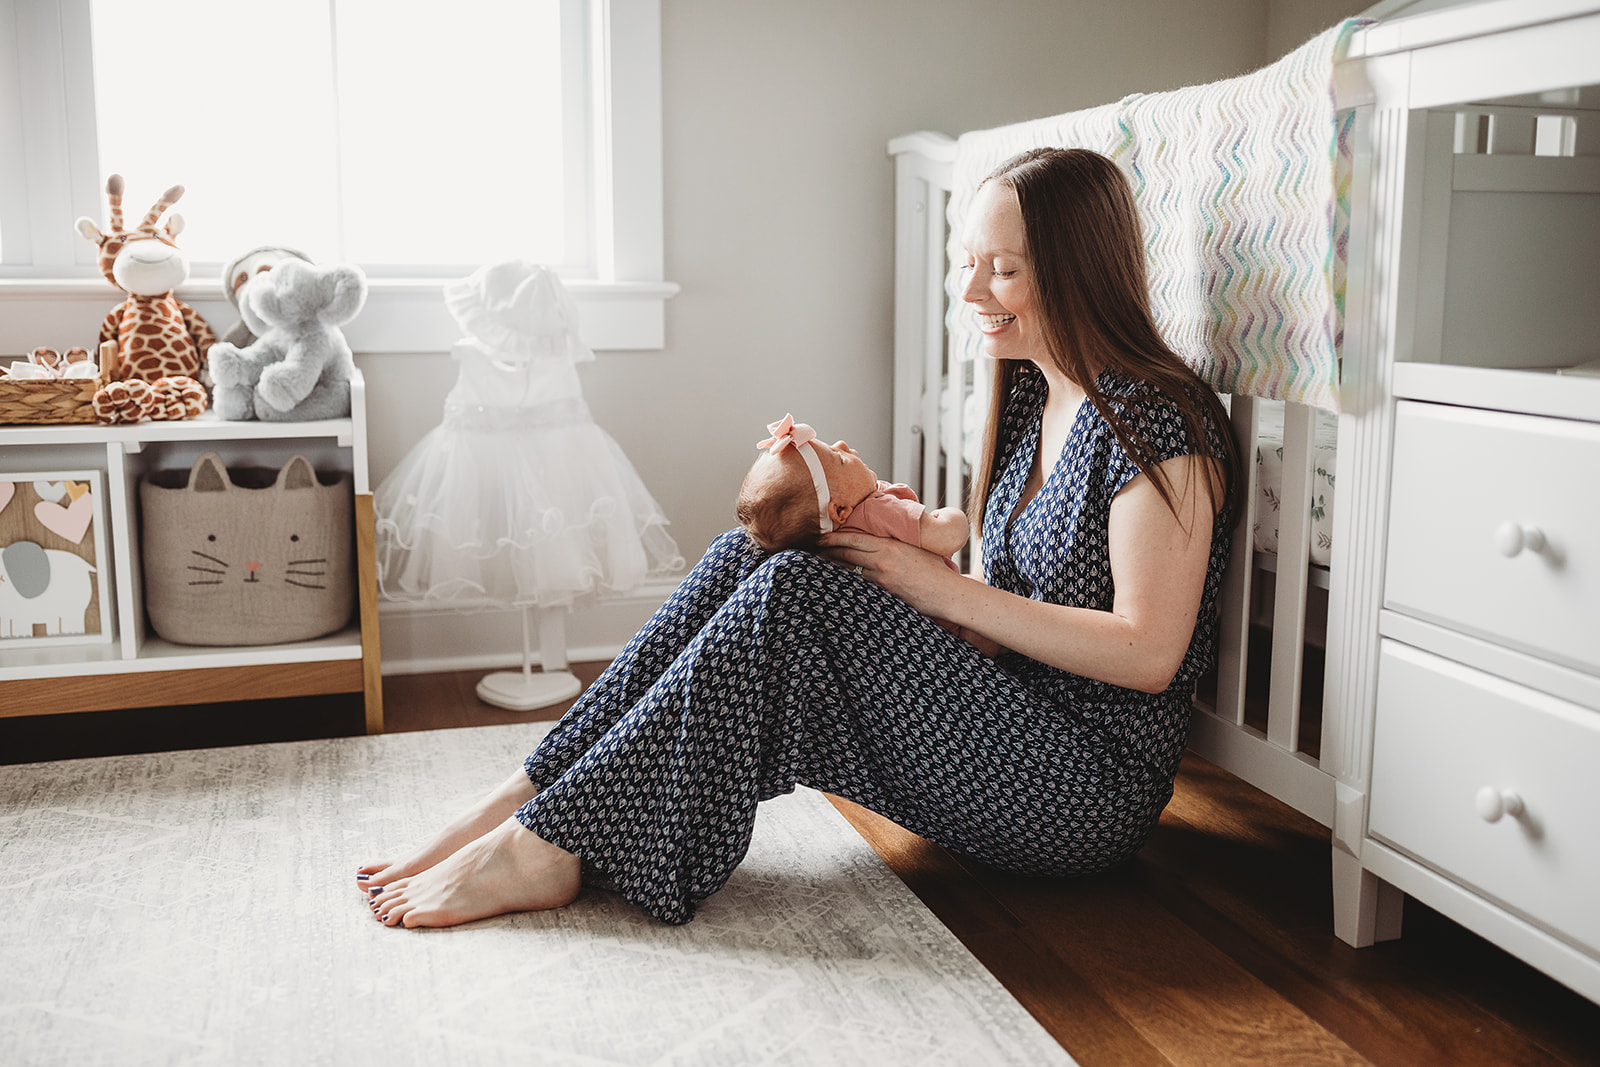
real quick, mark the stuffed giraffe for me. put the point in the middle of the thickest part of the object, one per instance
(161, 341)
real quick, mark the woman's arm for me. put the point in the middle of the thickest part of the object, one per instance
(1158, 567)
(943, 531)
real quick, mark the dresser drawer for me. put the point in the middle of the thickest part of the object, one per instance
(1473, 494)
(1449, 739)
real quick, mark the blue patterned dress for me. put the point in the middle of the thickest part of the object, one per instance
(766, 671)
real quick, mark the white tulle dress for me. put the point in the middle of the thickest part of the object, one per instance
(517, 498)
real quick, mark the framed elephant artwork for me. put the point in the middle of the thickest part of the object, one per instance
(54, 581)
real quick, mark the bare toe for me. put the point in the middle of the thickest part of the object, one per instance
(367, 877)
(388, 894)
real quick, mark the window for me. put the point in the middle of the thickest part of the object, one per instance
(419, 140)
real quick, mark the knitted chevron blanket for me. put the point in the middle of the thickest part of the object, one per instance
(1243, 190)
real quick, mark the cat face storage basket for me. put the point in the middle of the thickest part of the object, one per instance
(251, 556)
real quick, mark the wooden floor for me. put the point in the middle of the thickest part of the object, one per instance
(1213, 946)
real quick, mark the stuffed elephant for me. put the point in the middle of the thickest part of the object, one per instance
(43, 585)
(299, 366)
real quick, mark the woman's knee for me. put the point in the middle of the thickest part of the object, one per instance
(795, 565)
(729, 557)
(734, 541)
(795, 582)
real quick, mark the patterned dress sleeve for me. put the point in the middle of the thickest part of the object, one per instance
(1156, 419)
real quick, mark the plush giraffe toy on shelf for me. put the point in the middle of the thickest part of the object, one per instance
(161, 341)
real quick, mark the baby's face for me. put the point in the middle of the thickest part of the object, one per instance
(850, 481)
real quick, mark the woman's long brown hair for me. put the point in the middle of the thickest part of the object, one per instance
(1087, 254)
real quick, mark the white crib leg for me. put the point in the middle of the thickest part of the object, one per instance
(1366, 909)
(524, 690)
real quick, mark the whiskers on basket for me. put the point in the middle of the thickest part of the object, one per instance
(296, 571)
(321, 572)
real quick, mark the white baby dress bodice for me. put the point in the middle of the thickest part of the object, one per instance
(490, 390)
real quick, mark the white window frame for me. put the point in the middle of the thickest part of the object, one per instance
(49, 110)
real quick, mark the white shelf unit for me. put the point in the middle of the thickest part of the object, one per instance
(1464, 684)
(137, 668)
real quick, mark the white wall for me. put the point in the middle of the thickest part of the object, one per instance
(779, 224)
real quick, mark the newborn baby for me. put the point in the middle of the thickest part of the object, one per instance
(800, 489)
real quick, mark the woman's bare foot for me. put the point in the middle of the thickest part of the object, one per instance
(488, 813)
(508, 869)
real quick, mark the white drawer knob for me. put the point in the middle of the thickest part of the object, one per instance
(1512, 537)
(1493, 803)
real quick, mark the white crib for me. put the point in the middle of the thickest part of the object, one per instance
(1463, 116)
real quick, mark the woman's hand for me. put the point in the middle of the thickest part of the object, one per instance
(921, 578)
(916, 576)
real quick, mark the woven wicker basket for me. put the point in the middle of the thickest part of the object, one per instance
(56, 400)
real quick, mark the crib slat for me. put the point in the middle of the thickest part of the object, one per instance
(922, 181)
(933, 345)
(941, 371)
(955, 435)
(982, 384)
(911, 196)
(1233, 647)
(1294, 563)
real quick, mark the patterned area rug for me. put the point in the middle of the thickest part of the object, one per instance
(199, 908)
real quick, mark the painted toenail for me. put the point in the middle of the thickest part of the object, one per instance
(375, 889)
(362, 877)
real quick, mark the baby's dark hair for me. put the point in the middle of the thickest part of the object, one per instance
(778, 513)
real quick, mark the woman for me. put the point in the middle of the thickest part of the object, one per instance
(1045, 742)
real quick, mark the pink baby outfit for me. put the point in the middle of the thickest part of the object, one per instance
(893, 510)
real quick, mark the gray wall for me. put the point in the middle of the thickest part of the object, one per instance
(1290, 23)
(779, 191)
(778, 207)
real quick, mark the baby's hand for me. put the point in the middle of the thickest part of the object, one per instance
(943, 531)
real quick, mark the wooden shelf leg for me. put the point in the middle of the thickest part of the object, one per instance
(367, 581)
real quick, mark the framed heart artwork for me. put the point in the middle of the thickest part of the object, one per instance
(54, 580)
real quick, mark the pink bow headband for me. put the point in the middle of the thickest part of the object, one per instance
(786, 433)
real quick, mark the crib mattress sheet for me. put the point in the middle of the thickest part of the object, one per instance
(1269, 480)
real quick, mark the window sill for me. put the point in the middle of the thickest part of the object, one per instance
(401, 314)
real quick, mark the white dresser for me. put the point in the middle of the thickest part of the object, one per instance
(1466, 618)
(1486, 738)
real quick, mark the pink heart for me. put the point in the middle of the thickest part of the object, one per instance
(7, 491)
(72, 521)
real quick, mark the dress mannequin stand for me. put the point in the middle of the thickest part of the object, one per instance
(525, 690)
